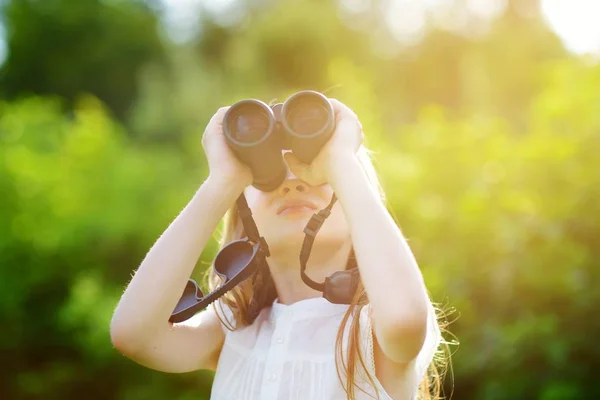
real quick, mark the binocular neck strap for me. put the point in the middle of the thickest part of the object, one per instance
(311, 229)
(249, 225)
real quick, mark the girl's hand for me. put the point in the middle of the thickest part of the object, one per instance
(222, 162)
(345, 142)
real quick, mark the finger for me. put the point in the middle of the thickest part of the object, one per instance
(345, 115)
(347, 119)
(215, 123)
(222, 110)
(342, 111)
(290, 158)
(219, 115)
(294, 164)
(300, 170)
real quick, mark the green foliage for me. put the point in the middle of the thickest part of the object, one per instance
(67, 47)
(488, 150)
(506, 227)
(77, 197)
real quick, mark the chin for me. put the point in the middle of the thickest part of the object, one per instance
(287, 234)
(291, 242)
(286, 237)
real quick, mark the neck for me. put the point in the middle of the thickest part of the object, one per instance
(323, 261)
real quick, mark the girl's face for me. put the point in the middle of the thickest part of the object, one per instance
(281, 215)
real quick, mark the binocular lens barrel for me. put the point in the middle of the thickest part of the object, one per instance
(249, 122)
(307, 118)
(309, 121)
(250, 129)
(257, 135)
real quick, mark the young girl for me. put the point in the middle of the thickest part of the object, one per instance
(296, 345)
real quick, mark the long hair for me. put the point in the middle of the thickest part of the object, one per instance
(252, 295)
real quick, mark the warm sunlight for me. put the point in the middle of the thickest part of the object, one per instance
(139, 139)
(577, 22)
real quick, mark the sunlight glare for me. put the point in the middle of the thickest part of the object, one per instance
(577, 22)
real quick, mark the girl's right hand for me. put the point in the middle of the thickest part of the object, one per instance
(222, 162)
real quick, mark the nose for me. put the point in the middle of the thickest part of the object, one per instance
(293, 185)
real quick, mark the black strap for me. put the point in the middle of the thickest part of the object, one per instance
(249, 225)
(311, 229)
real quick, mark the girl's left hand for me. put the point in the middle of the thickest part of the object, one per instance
(345, 142)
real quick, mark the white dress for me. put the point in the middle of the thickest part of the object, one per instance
(289, 353)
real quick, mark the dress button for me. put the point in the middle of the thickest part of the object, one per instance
(273, 377)
(279, 340)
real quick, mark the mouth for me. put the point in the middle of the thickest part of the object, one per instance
(295, 207)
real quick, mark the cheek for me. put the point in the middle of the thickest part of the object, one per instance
(260, 205)
(326, 192)
(255, 198)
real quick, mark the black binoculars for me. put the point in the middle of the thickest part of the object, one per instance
(258, 133)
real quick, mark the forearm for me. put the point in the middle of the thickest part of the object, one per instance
(156, 287)
(388, 268)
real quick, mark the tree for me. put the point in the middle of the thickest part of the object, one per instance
(68, 47)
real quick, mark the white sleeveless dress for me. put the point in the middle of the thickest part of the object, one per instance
(289, 353)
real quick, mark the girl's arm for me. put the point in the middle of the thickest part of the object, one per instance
(389, 272)
(140, 326)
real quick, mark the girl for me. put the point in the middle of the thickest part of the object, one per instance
(296, 344)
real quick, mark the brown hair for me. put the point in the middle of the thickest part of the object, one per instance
(252, 295)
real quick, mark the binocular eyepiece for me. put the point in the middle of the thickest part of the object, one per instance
(258, 133)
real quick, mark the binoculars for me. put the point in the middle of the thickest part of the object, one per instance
(258, 133)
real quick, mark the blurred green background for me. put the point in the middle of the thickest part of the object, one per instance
(486, 125)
